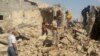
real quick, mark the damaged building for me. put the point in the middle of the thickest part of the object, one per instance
(27, 17)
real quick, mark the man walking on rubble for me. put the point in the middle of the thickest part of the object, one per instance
(54, 24)
(57, 25)
(12, 47)
(68, 17)
(44, 28)
(84, 13)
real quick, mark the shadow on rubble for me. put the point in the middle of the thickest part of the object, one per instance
(32, 3)
(95, 34)
(1, 30)
(4, 43)
(47, 43)
(22, 37)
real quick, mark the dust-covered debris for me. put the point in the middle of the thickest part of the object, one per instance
(31, 42)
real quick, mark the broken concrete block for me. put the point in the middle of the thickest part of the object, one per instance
(69, 37)
(43, 37)
(79, 47)
(65, 41)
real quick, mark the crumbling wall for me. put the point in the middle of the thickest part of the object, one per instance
(95, 32)
(7, 6)
(92, 21)
(27, 22)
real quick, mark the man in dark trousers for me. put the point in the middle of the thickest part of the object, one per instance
(84, 14)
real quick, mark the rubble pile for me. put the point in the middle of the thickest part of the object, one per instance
(31, 42)
(79, 46)
(69, 45)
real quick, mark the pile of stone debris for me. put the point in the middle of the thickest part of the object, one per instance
(72, 44)
(31, 42)
(68, 46)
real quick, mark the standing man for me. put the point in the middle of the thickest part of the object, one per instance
(12, 47)
(44, 28)
(84, 13)
(54, 24)
(68, 16)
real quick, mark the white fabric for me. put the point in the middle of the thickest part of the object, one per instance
(11, 39)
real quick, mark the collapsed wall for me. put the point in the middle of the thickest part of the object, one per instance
(25, 17)
(25, 21)
(7, 6)
(21, 14)
(95, 32)
(28, 22)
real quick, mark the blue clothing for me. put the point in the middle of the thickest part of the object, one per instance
(87, 9)
(11, 51)
(84, 14)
